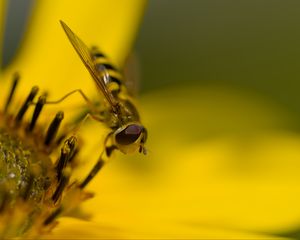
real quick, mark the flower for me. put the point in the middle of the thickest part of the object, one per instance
(193, 183)
(38, 183)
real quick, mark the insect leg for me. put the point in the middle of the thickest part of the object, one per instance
(96, 117)
(93, 111)
(90, 104)
(100, 163)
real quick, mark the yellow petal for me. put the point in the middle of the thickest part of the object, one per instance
(238, 171)
(47, 58)
(77, 229)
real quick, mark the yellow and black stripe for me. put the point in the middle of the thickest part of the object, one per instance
(102, 61)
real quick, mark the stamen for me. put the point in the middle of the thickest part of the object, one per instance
(61, 186)
(53, 128)
(37, 111)
(26, 104)
(66, 154)
(16, 78)
(76, 151)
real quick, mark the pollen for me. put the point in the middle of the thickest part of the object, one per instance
(36, 168)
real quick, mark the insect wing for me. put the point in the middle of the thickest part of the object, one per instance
(84, 54)
(132, 75)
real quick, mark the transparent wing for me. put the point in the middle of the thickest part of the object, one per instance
(85, 56)
(132, 74)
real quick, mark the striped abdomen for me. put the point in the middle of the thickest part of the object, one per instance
(119, 90)
(102, 62)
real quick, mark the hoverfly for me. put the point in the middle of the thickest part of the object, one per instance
(121, 116)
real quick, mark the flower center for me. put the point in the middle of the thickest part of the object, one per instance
(23, 171)
(36, 167)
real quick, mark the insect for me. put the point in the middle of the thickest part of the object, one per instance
(120, 116)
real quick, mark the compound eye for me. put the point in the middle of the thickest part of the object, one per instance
(129, 135)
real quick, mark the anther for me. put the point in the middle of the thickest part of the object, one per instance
(60, 188)
(38, 108)
(16, 78)
(53, 128)
(26, 104)
(76, 151)
(66, 154)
